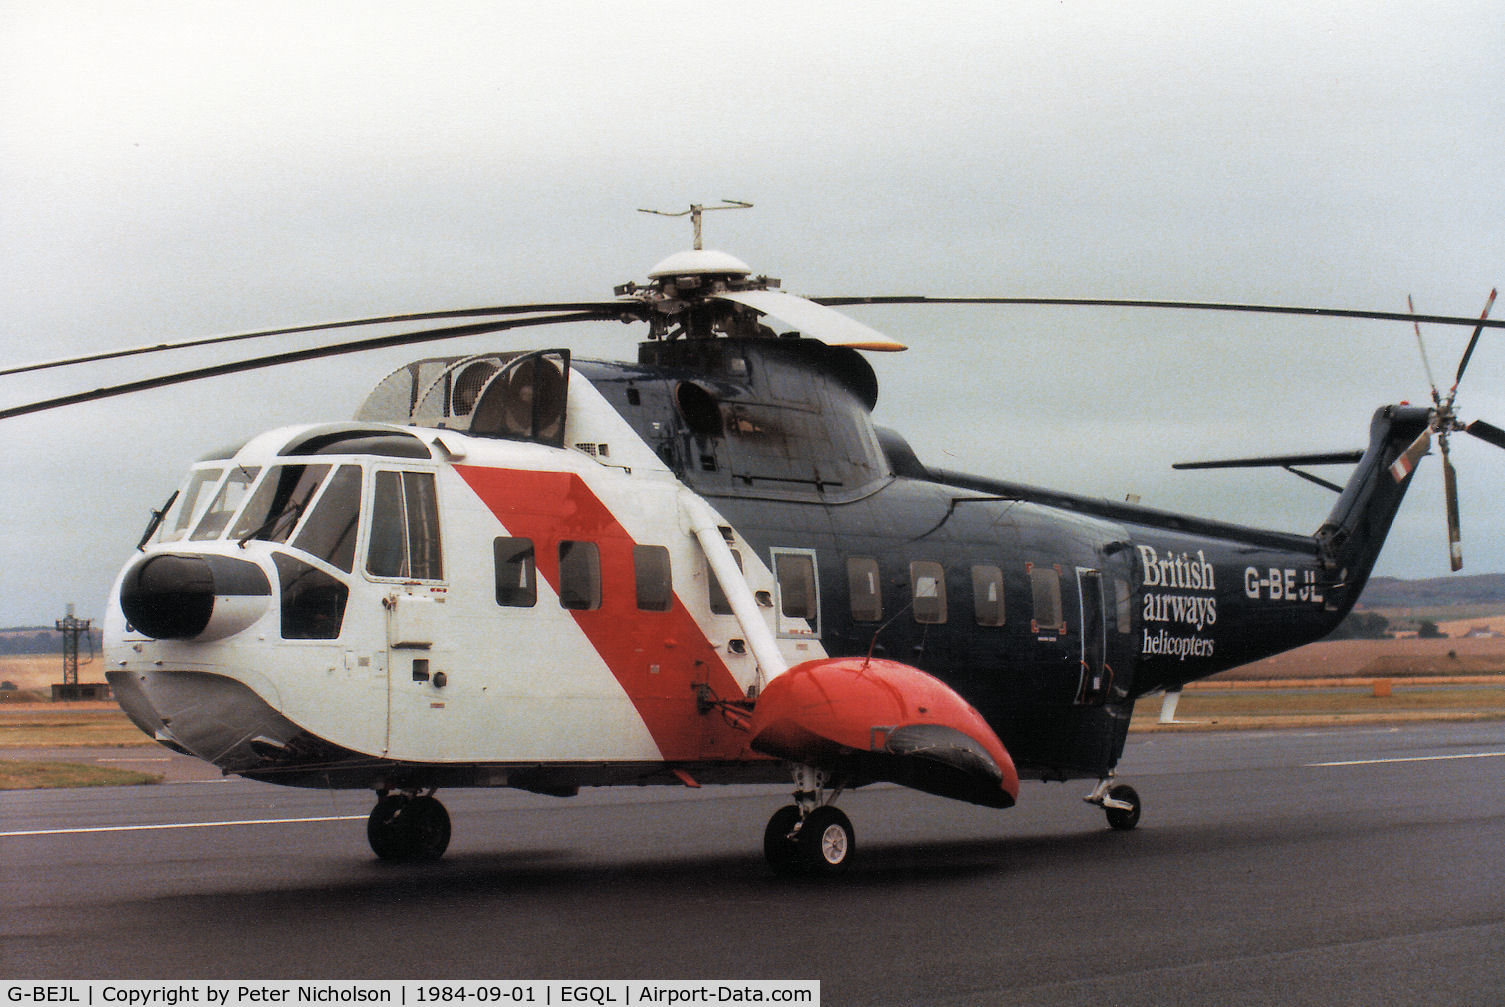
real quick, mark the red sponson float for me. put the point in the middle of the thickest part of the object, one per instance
(871, 720)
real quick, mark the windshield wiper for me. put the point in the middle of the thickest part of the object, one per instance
(268, 528)
(156, 521)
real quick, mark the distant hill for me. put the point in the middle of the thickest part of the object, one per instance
(43, 640)
(1432, 592)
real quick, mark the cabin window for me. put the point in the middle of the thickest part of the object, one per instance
(226, 502)
(655, 585)
(1045, 589)
(329, 532)
(405, 527)
(927, 591)
(865, 589)
(579, 575)
(796, 576)
(516, 572)
(987, 595)
(719, 604)
(312, 602)
(1124, 604)
(190, 503)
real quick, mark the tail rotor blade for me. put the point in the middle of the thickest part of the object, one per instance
(1486, 432)
(1450, 489)
(1472, 341)
(1406, 463)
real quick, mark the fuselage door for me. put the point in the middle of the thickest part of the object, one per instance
(798, 602)
(1096, 677)
(403, 554)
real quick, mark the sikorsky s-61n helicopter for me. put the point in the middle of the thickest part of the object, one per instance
(523, 569)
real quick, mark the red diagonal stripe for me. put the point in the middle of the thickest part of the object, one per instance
(550, 507)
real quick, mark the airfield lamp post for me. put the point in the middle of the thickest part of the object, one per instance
(72, 628)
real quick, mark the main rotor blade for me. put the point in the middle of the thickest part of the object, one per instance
(1450, 491)
(814, 319)
(1487, 432)
(295, 356)
(1474, 339)
(627, 308)
(1276, 461)
(1426, 365)
(1406, 463)
(1269, 309)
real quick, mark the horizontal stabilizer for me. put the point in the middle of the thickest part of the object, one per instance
(1276, 461)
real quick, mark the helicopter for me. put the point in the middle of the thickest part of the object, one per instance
(705, 566)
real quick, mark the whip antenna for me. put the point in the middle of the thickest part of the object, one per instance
(697, 209)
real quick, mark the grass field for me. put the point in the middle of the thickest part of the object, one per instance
(40, 672)
(1380, 658)
(39, 726)
(1269, 707)
(28, 775)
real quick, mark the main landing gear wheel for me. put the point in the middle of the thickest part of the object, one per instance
(408, 828)
(1120, 803)
(826, 841)
(822, 845)
(781, 841)
(1122, 818)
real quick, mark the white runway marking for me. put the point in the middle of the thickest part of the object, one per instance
(181, 825)
(1412, 758)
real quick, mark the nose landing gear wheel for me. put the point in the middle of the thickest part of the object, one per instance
(408, 828)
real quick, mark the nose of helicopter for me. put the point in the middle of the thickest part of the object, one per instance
(172, 596)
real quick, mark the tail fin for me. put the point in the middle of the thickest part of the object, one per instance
(1349, 540)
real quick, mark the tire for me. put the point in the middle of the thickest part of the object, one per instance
(408, 828)
(386, 831)
(826, 842)
(427, 826)
(780, 843)
(1118, 818)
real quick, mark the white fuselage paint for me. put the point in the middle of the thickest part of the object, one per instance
(519, 684)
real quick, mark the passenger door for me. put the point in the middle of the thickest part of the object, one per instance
(1096, 677)
(404, 552)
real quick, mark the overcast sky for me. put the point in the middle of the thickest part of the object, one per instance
(171, 170)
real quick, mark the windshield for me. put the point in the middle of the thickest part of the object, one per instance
(225, 504)
(278, 502)
(189, 505)
(321, 503)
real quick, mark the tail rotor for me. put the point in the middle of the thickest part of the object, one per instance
(1444, 423)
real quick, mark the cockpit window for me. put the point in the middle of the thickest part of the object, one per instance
(190, 504)
(226, 502)
(329, 532)
(279, 502)
(405, 527)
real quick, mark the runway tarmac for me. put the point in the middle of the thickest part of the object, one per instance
(1359, 865)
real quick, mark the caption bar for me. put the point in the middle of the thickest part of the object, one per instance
(404, 993)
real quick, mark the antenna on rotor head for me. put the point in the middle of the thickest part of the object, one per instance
(695, 211)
